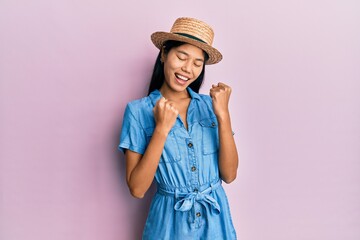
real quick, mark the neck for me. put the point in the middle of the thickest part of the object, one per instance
(173, 95)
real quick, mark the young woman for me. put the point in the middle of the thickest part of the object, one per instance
(183, 139)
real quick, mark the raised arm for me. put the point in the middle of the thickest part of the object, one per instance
(228, 156)
(140, 169)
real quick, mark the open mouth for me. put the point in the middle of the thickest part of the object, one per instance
(181, 79)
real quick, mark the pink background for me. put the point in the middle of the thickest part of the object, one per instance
(67, 69)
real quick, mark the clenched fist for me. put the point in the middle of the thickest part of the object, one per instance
(220, 94)
(165, 113)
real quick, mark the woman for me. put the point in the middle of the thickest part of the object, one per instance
(182, 139)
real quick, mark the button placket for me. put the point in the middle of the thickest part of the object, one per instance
(197, 215)
(192, 164)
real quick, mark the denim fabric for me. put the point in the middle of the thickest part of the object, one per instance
(190, 202)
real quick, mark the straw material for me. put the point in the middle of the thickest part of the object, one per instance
(191, 31)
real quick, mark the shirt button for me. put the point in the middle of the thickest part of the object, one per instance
(193, 168)
(213, 124)
(198, 214)
(196, 190)
(190, 145)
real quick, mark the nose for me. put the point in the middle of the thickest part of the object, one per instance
(186, 67)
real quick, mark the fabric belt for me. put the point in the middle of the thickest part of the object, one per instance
(185, 200)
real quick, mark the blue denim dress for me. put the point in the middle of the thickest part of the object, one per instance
(190, 202)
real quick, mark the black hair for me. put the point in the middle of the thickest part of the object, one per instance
(158, 76)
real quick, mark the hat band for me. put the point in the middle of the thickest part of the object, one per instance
(190, 36)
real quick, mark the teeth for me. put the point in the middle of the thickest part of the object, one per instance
(182, 77)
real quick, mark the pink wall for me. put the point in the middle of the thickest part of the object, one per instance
(67, 69)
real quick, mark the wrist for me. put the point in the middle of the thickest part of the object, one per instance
(223, 117)
(161, 131)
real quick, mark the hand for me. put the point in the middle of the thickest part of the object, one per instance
(165, 113)
(220, 94)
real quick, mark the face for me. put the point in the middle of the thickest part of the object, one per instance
(182, 66)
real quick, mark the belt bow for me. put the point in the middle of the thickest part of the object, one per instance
(186, 201)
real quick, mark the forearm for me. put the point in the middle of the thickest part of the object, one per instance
(228, 156)
(143, 174)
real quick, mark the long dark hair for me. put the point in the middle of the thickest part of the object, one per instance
(158, 76)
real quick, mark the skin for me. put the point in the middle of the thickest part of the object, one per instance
(187, 61)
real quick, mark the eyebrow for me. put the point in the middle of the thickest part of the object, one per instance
(197, 59)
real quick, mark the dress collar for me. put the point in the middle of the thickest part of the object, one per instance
(156, 95)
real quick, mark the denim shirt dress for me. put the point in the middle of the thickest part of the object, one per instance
(190, 202)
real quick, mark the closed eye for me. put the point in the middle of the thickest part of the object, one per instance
(182, 58)
(198, 63)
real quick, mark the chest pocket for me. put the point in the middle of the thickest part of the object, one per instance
(210, 140)
(171, 152)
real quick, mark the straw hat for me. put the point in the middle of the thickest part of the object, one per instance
(191, 31)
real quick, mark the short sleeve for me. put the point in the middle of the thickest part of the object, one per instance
(132, 135)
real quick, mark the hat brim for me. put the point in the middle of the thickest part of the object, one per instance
(158, 38)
